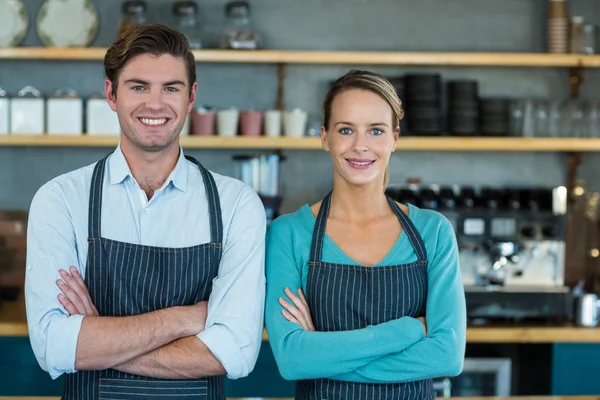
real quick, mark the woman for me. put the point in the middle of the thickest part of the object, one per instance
(384, 310)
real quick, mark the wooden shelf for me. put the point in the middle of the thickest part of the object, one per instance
(189, 142)
(328, 57)
(407, 143)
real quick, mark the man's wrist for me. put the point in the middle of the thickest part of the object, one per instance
(177, 319)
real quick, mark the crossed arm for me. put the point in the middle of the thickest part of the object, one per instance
(394, 351)
(161, 344)
(178, 342)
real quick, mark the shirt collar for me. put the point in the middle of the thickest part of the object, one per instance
(119, 170)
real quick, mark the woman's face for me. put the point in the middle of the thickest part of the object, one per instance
(360, 136)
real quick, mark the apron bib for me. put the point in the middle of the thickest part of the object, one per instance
(347, 297)
(127, 279)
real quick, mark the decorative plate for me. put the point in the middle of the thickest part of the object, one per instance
(67, 23)
(14, 21)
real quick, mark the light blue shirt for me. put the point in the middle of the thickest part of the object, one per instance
(175, 216)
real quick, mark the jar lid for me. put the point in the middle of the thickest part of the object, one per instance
(184, 7)
(134, 6)
(233, 5)
(65, 93)
(29, 91)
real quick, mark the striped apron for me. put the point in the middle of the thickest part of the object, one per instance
(347, 297)
(128, 279)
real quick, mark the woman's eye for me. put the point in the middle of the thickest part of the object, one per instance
(345, 131)
(376, 131)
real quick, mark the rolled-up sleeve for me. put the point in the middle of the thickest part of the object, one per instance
(236, 305)
(51, 245)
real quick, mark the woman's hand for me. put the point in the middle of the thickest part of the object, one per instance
(424, 322)
(298, 313)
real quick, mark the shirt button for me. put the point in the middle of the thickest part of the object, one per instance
(29, 267)
(146, 210)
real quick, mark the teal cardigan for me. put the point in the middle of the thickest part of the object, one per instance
(391, 352)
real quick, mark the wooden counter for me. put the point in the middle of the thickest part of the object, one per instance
(13, 323)
(462, 398)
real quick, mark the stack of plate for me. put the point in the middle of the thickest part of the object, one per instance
(463, 108)
(399, 84)
(424, 104)
(495, 116)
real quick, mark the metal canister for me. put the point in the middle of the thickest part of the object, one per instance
(587, 310)
(4, 112)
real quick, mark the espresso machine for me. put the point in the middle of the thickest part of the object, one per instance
(511, 248)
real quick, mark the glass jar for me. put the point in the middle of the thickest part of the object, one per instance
(239, 33)
(133, 14)
(186, 22)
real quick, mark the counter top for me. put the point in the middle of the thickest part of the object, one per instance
(13, 323)
(462, 398)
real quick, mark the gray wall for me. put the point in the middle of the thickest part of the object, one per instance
(403, 25)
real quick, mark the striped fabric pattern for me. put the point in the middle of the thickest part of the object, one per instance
(127, 279)
(347, 297)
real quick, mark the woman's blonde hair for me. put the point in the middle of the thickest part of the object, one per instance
(365, 80)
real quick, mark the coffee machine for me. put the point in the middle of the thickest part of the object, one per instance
(511, 248)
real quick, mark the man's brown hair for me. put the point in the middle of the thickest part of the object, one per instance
(151, 38)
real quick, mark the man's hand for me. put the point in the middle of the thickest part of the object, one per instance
(76, 299)
(75, 296)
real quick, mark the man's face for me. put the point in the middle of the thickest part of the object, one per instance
(152, 101)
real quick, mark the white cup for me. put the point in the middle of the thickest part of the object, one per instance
(272, 123)
(294, 123)
(227, 122)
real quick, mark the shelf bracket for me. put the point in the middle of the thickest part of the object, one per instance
(281, 74)
(575, 80)
(574, 160)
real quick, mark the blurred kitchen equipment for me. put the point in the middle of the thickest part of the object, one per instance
(558, 27)
(27, 112)
(227, 122)
(294, 122)
(577, 35)
(587, 309)
(203, 122)
(511, 248)
(67, 23)
(463, 107)
(481, 376)
(273, 123)
(187, 126)
(185, 13)
(261, 173)
(64, 113)
(13, 226)
(133, 14)
(589, 32)
(14, 21)
(100, 118)
(239, 33)
(424, 104)
(4, 112)
(251, 122)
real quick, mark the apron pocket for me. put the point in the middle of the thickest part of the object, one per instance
(151, 389)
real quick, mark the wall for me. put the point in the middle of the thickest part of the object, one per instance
(426, 25)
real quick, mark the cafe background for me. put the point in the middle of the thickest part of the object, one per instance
(549, 100)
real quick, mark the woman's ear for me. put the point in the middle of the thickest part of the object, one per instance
(396, 136)
(324, 143)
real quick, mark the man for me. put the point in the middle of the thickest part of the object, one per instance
(166, 290)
